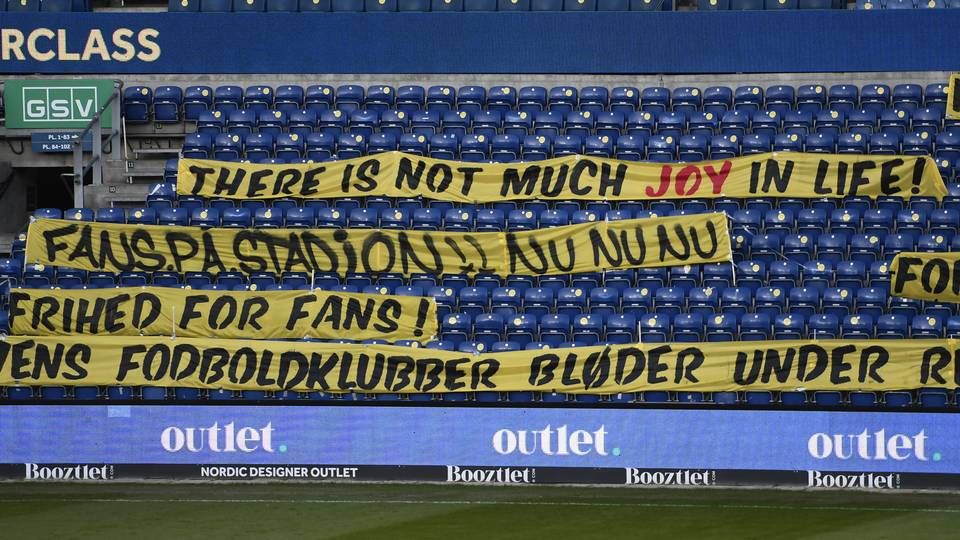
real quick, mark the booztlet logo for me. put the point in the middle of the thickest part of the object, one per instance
(35, 471)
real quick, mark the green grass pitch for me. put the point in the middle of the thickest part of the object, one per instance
(457, 512)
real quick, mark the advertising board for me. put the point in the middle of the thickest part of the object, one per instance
(649, 447)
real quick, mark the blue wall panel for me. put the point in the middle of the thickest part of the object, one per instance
(586, 42)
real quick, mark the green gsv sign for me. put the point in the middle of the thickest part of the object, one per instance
(61, 103)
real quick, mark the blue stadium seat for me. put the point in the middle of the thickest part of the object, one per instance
(624, 100)
(693, 148)
(196, 99)
(897, 399)
(688, 327)
(167, 102)
(721, 327)
(654, 328)
(227, 98)
(137, 104)
(857, 327)
(842, 97)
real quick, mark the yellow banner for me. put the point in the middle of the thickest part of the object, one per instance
(302, 366)
(926, 276)
(395, 174)
(588, 247)
(953, 104)
(158, 311)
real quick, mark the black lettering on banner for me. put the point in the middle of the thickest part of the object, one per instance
(419, 257)
(919, 165)
(837, 364)
(144, 249)
(78, 356)
(942, 270)
(612, 254)
(366, 175)
(199, 177)
(871, 368)
(151, 248)
(374, 365)
(542, 367)
(614, 184)
(311, 183)
(468, 173)
(184, 361)
(407, 176)
(636, 360)
(127, 361)
(183, 247)
(273, 366)
(902, 273)
(389, 311)
(685, 369)
(470, 265)
(439, 177)
(517, 183)
(774, 177)
(256, 186)
(291, 360)
(229, 186)
(453, 373)
(935, 360)
(289, 180)
(517, 256)
(114, 316)
(558, 185)
(818, 366)
(50, 240)
(953, 97)
(596, 369)
(167, 312)
(43, 311)
(15, 310)
(857, 179)
(888, 180)
(668, 243)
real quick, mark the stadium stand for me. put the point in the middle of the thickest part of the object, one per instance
(804, 269)
(801, 269)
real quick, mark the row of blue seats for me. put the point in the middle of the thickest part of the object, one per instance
(317, 147)
(732, 324)
(748, 275)
(811, 222)
(851, 214)
(381, 6)
(840, 214)
(302, 123)
(773, 5)
(172, 103)
(594, 329)
(616, 296)
(907, 4)
(805, 301)
(927, 398)
(44, 5)
(164, 194)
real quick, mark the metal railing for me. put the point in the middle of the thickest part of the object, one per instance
(95, 126)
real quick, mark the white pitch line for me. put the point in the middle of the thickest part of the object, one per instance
(492, 503)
